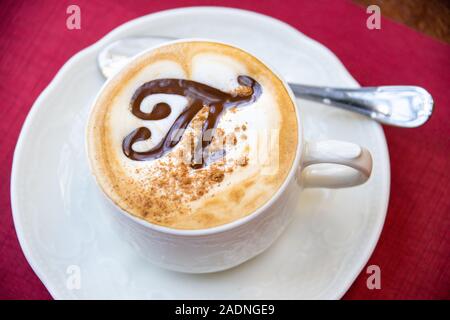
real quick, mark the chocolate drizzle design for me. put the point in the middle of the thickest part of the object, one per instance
(198, 95)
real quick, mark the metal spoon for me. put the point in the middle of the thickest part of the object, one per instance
(401, 106)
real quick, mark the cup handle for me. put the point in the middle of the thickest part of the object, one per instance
(354, 164)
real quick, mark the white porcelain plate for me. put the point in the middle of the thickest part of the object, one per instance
(62, 226)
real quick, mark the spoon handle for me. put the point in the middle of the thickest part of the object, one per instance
(401, 106)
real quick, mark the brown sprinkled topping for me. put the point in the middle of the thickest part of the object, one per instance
(219, 132)
(172, 185)
(243, 91)
(243, 161)
(217, 175)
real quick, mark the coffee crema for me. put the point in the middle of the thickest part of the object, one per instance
(192, 135)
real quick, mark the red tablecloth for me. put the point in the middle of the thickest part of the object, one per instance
(414, 250)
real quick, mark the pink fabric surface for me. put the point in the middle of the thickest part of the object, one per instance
(414, 249)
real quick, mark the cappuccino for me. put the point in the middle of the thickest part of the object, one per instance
(192, 135)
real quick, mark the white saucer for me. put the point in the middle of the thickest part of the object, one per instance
(61, 223)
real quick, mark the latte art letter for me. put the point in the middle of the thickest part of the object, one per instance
(198, 95)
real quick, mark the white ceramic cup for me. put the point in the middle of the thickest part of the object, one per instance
(226, 246)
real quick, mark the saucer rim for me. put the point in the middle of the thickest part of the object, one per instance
(19, 149)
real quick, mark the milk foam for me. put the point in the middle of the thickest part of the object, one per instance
(255, 129)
